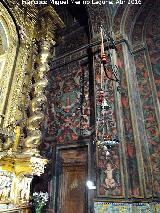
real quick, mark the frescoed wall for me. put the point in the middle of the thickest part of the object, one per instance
(146, 127)
(151, 125)
(153, 44)
(109, 168)
(146, 91)
(131, 171)
(69, 109)
(147, 75)
(129, 140)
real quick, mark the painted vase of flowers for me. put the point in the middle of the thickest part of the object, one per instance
(39, 200)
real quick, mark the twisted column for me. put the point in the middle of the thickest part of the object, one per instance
(38, 100)
(46, 25)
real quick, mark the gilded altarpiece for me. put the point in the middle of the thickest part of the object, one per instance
(9, 45)
(23, 79)
(16, 46)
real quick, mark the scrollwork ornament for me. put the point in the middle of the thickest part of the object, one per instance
(26, 23)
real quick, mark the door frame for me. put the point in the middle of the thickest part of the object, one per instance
(90, 193)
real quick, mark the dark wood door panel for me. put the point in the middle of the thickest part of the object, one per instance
(73, 173)
(78, 155)
(73, 189)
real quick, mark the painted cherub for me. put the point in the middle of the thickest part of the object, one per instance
(109, 181)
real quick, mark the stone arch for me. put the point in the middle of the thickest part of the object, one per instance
(125, 18)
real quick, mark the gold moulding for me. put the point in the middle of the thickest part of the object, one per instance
(17, 166)
(16, 173)
(21, 165)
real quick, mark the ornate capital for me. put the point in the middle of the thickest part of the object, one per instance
(47, 23)
(38, 165)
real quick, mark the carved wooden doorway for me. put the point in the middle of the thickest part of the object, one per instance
(72, 175)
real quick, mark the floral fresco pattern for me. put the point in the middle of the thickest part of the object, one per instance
(130, 149)
(150, 119)
(69, 109)
(142, 60)
(109, 171)
(153, 42)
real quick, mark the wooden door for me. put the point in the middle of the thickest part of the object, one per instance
(72, 185)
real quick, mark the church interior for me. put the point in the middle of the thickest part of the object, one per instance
(80, 106)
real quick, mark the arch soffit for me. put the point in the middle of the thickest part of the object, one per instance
(138, 34)
(126, 18)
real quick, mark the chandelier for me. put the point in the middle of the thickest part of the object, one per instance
(105, 122)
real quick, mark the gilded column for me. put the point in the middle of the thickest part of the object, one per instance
(45, 35)
(39, 99)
